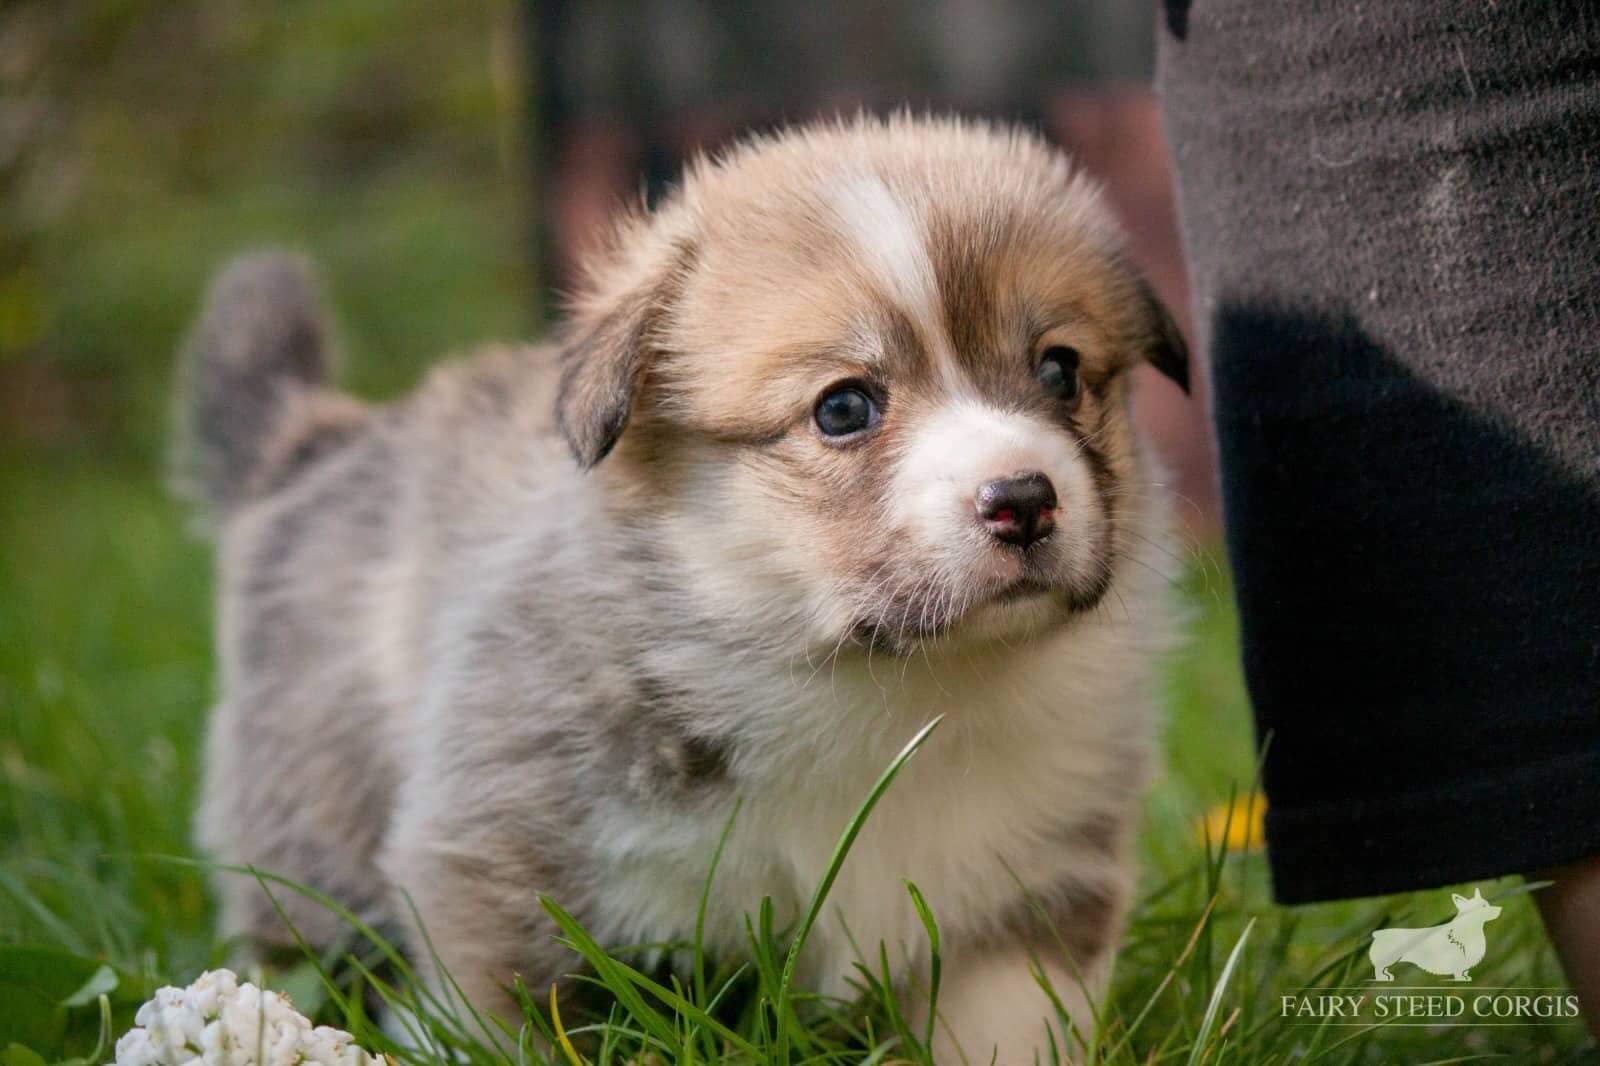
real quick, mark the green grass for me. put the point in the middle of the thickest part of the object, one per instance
(104, 678)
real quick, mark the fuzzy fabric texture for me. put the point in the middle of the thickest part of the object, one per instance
(1390, 213)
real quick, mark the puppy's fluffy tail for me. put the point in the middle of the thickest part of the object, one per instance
(254, 405)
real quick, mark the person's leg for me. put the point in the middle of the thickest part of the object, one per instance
(1389, 225)
(1571, 911)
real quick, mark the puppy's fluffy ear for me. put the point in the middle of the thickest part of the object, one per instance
(606, 353)
(1168, 352)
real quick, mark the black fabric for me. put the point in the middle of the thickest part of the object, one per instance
(1392, 219)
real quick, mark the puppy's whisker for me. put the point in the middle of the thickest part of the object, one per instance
(1158, 546)
(1126, 613)
(1166, 579)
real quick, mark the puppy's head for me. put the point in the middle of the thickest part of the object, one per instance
(868, 382)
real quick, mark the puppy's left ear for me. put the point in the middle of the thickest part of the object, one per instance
(604, 358)
(1166, 349)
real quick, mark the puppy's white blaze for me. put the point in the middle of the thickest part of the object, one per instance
(894, 247)
(968, 443)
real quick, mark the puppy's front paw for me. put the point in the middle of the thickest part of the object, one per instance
(993, 1010)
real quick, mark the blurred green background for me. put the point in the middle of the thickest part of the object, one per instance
(141, 144)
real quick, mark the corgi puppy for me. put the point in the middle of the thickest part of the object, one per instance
(832, 442)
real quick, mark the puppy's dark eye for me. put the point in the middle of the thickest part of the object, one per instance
(846, 410)
(1058, 372)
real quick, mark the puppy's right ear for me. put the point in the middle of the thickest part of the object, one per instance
(1168, 352)
(604, 359)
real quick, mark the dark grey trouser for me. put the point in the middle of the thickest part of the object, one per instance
(1392, 219)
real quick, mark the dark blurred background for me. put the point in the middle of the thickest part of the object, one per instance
(445, 163)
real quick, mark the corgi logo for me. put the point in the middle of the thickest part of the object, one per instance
(1448, 950)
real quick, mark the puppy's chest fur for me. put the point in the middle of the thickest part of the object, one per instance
(1021, 791)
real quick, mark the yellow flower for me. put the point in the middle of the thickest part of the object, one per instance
(1239, 827)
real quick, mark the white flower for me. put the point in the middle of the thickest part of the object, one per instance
(219, 1022)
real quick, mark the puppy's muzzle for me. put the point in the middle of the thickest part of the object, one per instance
(1020, 509)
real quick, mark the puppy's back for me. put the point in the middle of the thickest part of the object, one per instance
(327, 515)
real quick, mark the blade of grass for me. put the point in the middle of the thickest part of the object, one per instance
(705, 901)
(925, 913)
(561, 1034)
(624, 982)
(700, 921)
(449, 981)
(841, 849)
(1166, 980)
(1203, 1037)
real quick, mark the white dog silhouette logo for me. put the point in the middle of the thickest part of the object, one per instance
(1449, 950)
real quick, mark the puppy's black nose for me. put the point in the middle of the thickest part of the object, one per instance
(1020, 509)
